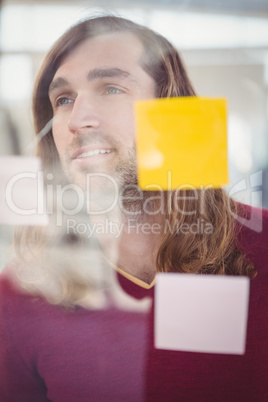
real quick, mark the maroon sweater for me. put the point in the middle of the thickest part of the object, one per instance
(50, 354)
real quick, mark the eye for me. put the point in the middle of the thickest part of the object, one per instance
(113, 91)
(63, 101)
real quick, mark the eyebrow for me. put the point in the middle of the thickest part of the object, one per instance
(58, 83)
(96, 73)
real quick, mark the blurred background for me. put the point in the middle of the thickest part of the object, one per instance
(224, 44)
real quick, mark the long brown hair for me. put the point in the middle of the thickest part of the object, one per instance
(212, 251)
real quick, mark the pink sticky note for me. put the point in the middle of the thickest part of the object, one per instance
(21, 191)
(201, 313)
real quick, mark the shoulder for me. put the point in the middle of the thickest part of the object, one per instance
(252, 224)
(14, 303)
(9, 285)
(8, 289)
(252, 235)
(15, 300)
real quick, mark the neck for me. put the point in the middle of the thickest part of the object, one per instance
(132, 243)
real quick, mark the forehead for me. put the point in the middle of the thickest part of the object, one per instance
(118, 49)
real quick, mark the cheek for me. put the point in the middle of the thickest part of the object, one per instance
(59, 135)
(60, 132)
(123, 122)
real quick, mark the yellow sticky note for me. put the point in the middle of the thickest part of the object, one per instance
(181, 142)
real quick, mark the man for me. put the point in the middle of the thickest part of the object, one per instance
(88, 84)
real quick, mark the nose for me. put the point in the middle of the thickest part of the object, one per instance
(83, 116)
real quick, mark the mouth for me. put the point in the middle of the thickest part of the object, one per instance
(91, 156)
(93, 153)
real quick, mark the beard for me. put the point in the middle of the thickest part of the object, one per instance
(109, 186)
